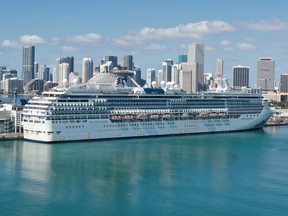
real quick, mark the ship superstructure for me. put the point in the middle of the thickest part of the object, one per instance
(106, 108)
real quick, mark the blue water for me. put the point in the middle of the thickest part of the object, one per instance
(242, 173)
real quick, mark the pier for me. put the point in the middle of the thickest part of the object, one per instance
(11, 136)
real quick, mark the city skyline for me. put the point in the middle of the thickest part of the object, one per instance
(164, 33)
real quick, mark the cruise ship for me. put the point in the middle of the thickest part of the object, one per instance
(109, 107)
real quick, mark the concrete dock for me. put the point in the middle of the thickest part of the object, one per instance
(11, 136)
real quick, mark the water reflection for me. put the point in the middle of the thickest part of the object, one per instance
(109, 167)
(134, 173)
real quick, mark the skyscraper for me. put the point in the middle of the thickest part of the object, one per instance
(87, 69)
(265, 73)
(219, 68)
(113, 59)
(56, 73)
(182, 58)
(63, 73)
(196, 54)
(44, 73)
(70, 61)
(284, 83)
(240, 77)
(175, 73)
(151, 76)
(188, 77)
(167, 70)
(128, 62)
(28, 63)
(36, 69)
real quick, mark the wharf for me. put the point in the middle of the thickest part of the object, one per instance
(11, 136)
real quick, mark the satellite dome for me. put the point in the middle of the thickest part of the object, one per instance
(75, 81)
(65, 81)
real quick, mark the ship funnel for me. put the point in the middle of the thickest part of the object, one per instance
(219, 85)
(227, 86)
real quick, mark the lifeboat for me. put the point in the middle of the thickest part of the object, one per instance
(128, 117)
(142, 116)
(166, 116)
(116, 117)
(154, 116)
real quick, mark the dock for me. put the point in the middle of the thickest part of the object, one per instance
(11, 136)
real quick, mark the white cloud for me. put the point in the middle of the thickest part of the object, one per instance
(190, 30)
(250, 39)
(23, 40)
(32, 39)
(55, 40)
(225, 43)
(69, 49)
(228, 49)
(183, 46)
(154, 46)
(266, 25)
(246, 46)
(209, 48)
(87, 38)
(11, 44)
(197, 31)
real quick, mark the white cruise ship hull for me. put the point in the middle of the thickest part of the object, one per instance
(105, 129)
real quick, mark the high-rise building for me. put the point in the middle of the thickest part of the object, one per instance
(188, 79)
(13, 84)
(63, 73)
(36, 69)
(196, 54)
(113, 59)
(56, 77)
(28, 60)
(44, 73)
(219, 68)
(284, 83)
(240, 77)
(160, 76)
(70, 61)
(137, 76)
(56, 73)
(5, 74)
(87, 69)
(265, 73)
(167, 70)
(128, 62)
(175, 73)
(151, 76)
(182, 58)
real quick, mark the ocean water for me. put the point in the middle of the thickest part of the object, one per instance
(243, 173)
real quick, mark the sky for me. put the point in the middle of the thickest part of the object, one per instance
(238, 32)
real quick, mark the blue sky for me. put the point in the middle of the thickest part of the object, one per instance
(151, 30)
